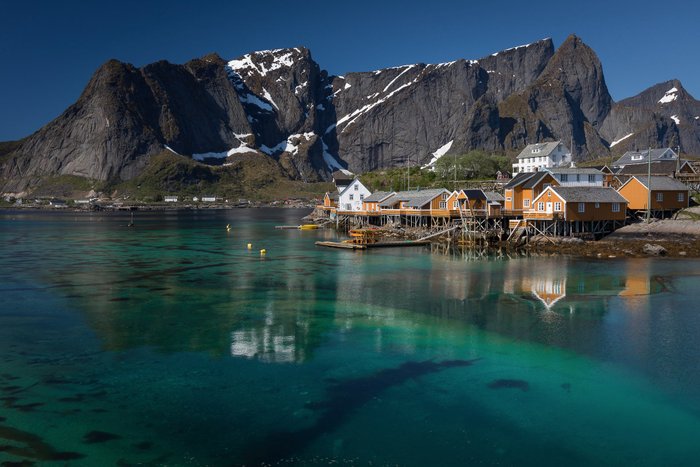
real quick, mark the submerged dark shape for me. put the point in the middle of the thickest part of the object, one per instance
(30, 446)
(510, 384)
(99, 437)
(343, 399)
(566, 387)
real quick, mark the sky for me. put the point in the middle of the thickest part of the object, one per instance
(49, 49)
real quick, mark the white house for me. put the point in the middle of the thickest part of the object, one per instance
(170, 199)
(350, 199)
(573, 176)
(542, 156)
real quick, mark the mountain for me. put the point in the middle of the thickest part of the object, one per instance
(664, 115)
(281, 107)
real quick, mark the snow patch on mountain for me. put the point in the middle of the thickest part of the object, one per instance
(670, 96)
(388, 86)
(256, 101)
(676, 119)
(268, 97)
(328, 158)
(354, 115)
(263, 62)
(441, 151)
(620, 140)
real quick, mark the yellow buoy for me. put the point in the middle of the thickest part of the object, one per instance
(250, 246)
(262, 252)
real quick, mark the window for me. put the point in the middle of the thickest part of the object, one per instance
(597, 205)
(445, 195)
(540, 206)
(659, 197)
(616, 207)
(557, 206)
(536, 150)
(508, 198)
(352, 197)
(591, 179)
(564, 177)
(362, 197)
(443, 204)
(681, 197)
(357, 187)
(526, 203)
(637, 157)
(455, 204)
(581, 207)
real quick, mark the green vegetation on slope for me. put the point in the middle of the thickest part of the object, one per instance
(474, 165)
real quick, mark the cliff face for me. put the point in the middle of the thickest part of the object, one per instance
(662, 115)
(279, 105)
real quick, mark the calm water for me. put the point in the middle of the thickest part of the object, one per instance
(171, 343)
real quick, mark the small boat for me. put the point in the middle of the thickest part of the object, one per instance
(308, 227)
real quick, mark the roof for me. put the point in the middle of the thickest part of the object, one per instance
(493, 196)
(588, 194)
(340, 175)
(522, 177)
(333, 196)
(475, 194)
(662, 183)
(661, 167)
(536, 179)
(641, 156)
(413, 199)
(378, 196)
(575, 170)
(542, 149)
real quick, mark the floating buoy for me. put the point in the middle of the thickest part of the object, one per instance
(262, 252)
(250, 246)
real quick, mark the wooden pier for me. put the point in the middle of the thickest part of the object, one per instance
(355, 246)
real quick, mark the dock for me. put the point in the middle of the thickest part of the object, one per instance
(355, 246)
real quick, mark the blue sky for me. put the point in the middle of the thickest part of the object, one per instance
(49, 49)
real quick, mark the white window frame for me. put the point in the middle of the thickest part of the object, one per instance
(597, 205)
(443, 204)
(455, 204)
(540, 206)
(616, 207)
(581, 207)
(659, 197)
(352, 197)
(526, 203)
(681, 197)
(557, 206)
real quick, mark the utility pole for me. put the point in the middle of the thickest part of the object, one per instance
(648, 185)
(408, 173)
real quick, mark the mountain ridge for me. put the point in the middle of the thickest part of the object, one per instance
(280, 104)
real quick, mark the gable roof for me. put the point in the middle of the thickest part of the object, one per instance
(352, 182)
(641, 157)
(413, 199)
(539, 149)
(475, 194)
(519, 179)
(587, 194)
(536, 179)
(342, 175)
(660, 167)
(660, 183)
(378, 196)
(493, 196)
(333, 195)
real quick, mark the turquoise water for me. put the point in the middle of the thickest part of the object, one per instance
(171, 343)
